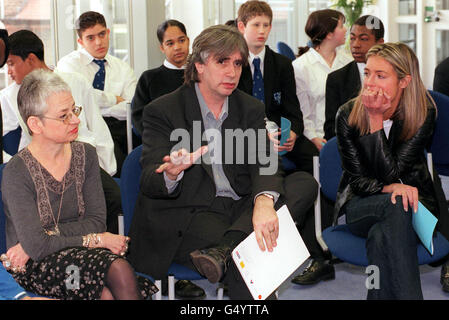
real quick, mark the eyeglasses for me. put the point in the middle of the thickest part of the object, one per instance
(67, 118)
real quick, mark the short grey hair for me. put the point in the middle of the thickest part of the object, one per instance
(218, 41)
(36, 88)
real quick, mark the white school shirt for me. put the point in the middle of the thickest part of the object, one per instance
(120, 80)
(92, 128)
(311, 71)
(251, 58)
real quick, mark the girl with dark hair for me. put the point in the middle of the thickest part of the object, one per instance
(174, 44)
(327, 32)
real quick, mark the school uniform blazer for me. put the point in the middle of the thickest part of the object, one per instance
(160, 219)
(441, 78)
(280, 89)
(342, 85)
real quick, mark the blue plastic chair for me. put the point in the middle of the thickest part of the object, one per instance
(129, 188)
(338, 239)
(440, 142)
(285, 50)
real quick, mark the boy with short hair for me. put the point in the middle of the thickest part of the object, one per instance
(270, 78)
(113, 80)
(344, 84)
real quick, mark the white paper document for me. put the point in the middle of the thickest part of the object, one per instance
(265, 271)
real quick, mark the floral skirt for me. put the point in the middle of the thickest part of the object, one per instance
(74, 274)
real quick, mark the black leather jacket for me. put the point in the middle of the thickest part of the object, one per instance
(372, 161)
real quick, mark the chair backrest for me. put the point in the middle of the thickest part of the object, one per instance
(11, 141)
(130, 185)
(440, 142)
(2, 218)
(330, 169)
(285, 50)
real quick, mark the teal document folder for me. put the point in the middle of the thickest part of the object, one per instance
(424, 223)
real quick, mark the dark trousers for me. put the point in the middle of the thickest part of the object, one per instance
(302, 154)
(113, 201)
(391, 244)
(209, 227)
(228, 222)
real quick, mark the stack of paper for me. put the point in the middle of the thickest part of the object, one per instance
(265, 271)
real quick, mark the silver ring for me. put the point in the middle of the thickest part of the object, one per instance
(7, 264)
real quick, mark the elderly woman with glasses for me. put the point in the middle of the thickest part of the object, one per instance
(55, 207)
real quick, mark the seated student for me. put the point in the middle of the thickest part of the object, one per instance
(174, 43)
(278, 92)
(55, 209)
(4, 51)
(113, 80)
(327, 32)
(26, 55)
(441, 77)
(270, 78)
(195, 212)
(344, 84)
(382, 135)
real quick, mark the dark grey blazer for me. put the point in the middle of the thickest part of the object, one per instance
(160, 219)
(342, 85)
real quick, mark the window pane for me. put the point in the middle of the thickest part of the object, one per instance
(116, 14)
(283, 21)
(315, 5)
(31, 15)
(407, 7)
(442, 45)
(407, 34)
(442, 4)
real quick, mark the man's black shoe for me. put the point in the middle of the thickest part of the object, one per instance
(316, 271)
(444, 279)
(185, 289)
(212, 263)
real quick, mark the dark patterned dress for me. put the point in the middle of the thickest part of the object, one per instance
(59, 266)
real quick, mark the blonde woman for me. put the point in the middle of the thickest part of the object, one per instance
(382, 135)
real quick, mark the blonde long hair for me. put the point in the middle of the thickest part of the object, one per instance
(412, 108)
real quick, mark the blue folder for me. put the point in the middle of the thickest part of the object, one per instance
(424, 223)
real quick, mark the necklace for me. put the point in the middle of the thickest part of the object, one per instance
(56, 231)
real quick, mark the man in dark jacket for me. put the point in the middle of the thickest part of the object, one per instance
(203, 191)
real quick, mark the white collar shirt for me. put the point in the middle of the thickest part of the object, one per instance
(251, 58)
(311, 71)
(120, 80)
(171, 66)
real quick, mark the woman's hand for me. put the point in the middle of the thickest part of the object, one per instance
(17, 259)
(409, 195)
(118, 244)
(376, 102)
